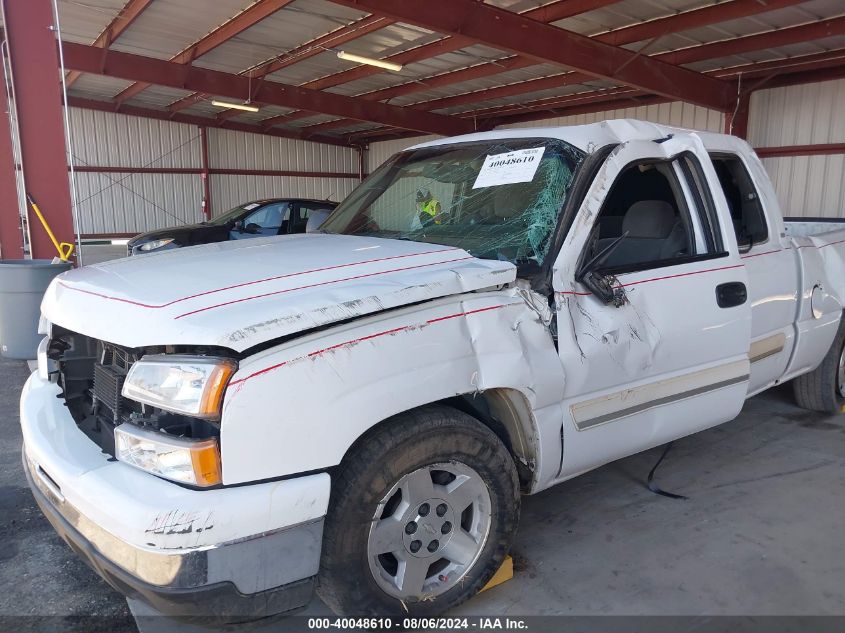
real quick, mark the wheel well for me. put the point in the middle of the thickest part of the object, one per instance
(506, 412)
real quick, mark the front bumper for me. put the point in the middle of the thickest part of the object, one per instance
(235, 553)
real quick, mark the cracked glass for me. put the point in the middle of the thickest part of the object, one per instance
(496, 199)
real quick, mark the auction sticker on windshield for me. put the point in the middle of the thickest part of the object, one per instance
(509, 168)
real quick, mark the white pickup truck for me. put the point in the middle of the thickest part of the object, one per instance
(223, 428)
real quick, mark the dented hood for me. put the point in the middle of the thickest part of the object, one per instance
(244, 293)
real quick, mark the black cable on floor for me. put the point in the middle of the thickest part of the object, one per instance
(653, 486)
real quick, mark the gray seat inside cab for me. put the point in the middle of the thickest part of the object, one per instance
(655, 233)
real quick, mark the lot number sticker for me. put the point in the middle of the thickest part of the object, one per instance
(509, 168)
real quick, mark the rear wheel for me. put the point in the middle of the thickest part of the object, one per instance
(422, 515)
(824, 388)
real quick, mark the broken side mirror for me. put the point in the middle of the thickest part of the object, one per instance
(601, 285)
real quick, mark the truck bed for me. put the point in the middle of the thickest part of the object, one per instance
(833, 228)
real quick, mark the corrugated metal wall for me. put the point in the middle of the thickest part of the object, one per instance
(125, 203)
(381, 151)
(113, 202)
(134, 203)
(803, 115)
(239, 150)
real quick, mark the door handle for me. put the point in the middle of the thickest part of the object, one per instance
(731, 294)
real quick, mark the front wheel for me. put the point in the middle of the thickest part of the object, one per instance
(823, 389)
(422, 515)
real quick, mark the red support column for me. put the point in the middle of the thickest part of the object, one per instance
(206, 185)
(11, 236)
(34, 58)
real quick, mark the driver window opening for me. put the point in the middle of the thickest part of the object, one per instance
(658, 213)
(647, 212)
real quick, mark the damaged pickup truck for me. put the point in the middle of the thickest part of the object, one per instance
(223, 428)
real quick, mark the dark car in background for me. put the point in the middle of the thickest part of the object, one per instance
(260, 218)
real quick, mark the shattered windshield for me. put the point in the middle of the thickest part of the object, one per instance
(496, 199)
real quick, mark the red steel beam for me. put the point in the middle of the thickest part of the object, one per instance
(11, 236)
(122, 21)
(638, 32)
(790, 77)
(695, 18)
(551, 12)
(503, 29)
(770, 69)
(750, 43)
(33, 56)
(813, 61)
(164, 73)
(108, 169)
(785, 72)
(801, 150)
(337, 37)
(770, 39)
(149, 113)
(247, 18)
(805, 77)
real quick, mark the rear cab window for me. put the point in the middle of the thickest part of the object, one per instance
(747, 213)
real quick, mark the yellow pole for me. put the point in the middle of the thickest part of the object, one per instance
(64, 249)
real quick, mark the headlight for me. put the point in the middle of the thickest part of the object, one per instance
(191, 385)
(195, 462)
(151, 246)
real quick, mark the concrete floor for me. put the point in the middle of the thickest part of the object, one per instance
(762, 532)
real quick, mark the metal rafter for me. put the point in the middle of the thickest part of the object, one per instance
(551, 12)
(122, 21)
(149, 113)
(247, 18)
(337, 37)
(695, 18)
(122, 65)
(768, 75)
(755, 70)
(786, 71)
(508, 31)
(750, 43)
(770, 39)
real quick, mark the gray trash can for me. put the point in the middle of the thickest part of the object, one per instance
(22, 285)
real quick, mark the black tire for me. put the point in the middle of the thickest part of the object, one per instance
(403, 444)
(820, 389)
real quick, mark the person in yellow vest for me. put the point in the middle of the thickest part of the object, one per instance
(429, 207)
